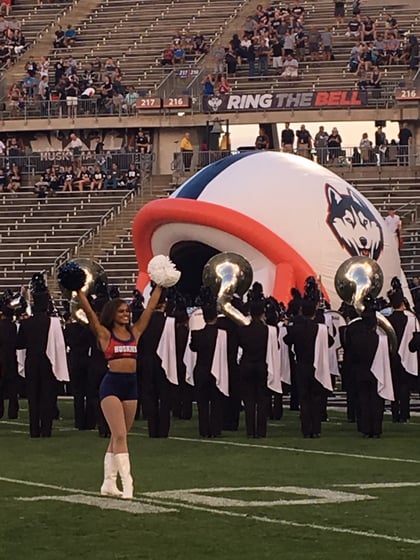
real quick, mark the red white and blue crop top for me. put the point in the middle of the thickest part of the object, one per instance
(118, 348)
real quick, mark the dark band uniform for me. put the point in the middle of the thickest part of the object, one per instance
(253, 340)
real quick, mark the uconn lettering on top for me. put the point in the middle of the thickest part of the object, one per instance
(284, 101)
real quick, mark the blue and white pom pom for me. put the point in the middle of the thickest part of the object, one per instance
(71, 276)
(162, 271)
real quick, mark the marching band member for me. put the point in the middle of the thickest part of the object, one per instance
(369, 356)
(403, 363)
(310, 341)
(211, 377)
(45, 363)
(259, 365)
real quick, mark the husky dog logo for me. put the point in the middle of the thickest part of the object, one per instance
(214, 102)
(354, 224)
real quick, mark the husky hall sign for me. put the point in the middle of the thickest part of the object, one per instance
(284, 101)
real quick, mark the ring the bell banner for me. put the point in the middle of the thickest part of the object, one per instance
(284, 101)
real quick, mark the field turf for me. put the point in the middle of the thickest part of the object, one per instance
(337, 498)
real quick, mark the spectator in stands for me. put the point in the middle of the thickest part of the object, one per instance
(327, 43)
(321, 145)
(381, 145)
(187, 151)
(87, 97)
(179, 54)
(368, 30)
(366, 149)
(105, 93)
(251, 56)
(88, 77)
(69, 36)
(110, 68)
(13, 150)
(131, 100)
(224, 86)
(59, 38)
(59, 70)
(72, 92)
(5, 6)
(375, 78)
(289, 44)
(277, 54)
(235, 44)
(44, 66)
(75, 146)
(142, 142)
(250, 26)
(287, 138)
(231, 62)
(42, 186)
(69, 176)
(55, 181)
(263, 51)
(167, 56)
(356, 7)
(113, 177)
(219, 59)
(97, 179)
(339, 11)
(391, 26)
(44, 95)
(14, 179)
(300, 42)
(200, 44)
(83, 179)
(262, 142)
(314, 42)
(4, 55)
(290, 68)
(405, 137)
(4, 25)
(298, 11)
(3, 180)
(208, 85)
(15, 100)
(393, 50)
(97, 68)
(356, 158)
(132, 177)
(304, 142)
(354, 28)
(413, 52)
(334, 146)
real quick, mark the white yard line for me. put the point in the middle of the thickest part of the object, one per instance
(292, 449)
(263, 519)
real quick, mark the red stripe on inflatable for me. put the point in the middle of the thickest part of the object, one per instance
(291, 268)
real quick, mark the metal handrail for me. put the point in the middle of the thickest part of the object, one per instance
(90, 233)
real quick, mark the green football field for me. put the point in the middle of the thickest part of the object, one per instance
(340, 497)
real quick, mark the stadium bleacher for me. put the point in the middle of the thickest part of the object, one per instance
(134, 34)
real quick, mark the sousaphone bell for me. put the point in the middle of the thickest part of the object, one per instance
(228, 274)
(93, 271)
(358, 277)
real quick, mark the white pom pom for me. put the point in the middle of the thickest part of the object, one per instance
(162, 271)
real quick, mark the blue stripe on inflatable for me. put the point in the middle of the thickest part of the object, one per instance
(198, 182)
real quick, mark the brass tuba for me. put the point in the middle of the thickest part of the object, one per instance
(93, 271)
(228, 274)
(358, 277)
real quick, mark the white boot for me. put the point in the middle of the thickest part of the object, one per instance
(123, 462)
(109, 486)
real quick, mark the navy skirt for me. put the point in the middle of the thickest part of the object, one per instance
(121, 385)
